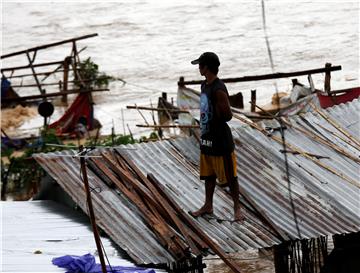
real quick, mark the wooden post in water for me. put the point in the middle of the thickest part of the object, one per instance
(91, 211)
(253, 100)
(66, 65)
(327, 87)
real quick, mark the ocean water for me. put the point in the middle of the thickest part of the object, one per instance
(150, 44)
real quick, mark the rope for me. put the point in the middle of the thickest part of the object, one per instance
(281, 123)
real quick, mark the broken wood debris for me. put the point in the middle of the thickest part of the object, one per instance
(174, 228)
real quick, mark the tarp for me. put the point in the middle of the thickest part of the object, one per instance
(87, 264)
(80, 111)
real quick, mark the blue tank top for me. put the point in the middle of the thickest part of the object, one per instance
(216, 137)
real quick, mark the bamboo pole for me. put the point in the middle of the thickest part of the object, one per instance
(335, 124)
(147, 123)
(316, 161)
(167, 126)
(338, 136)
(155, 109)
(322, 141)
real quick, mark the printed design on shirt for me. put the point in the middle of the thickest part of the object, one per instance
(206, 114)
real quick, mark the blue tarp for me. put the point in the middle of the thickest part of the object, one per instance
(86, 264)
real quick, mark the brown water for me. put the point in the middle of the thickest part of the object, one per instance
(150, 45)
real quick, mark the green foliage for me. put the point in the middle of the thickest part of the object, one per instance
(116, 140)
(90, 73)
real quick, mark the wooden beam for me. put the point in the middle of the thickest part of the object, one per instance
(47, 73)
(167, 126)
(34, 73)
(48, 45)
(156, 109)
(269, 76)
(34, 97)
(30, 66)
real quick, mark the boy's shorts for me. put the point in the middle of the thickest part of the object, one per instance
(212, 166)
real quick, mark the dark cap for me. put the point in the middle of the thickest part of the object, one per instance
(207, 58)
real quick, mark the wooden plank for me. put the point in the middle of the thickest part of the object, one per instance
(171, 213)
(157, 206)
(163, 234)
(46, 73)
(202, 235)
(48, 45)
(270, 76)
(30, 66)
(55, 94)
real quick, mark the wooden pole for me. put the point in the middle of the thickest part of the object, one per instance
(31, 65)
(48, 45)
(156, 109)
(270, 76)
(55, 94)
(335, 124)
(34, 73)
(253, 100)
(66, 65)
(322, 141)
(327, 86)
(91, 212)
(316, 161)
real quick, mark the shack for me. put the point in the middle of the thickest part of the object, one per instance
(293, 204)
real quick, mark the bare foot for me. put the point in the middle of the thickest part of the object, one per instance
(202, 211)
(238, 215)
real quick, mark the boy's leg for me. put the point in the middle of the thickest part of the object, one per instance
(207, 208)
(234, 186)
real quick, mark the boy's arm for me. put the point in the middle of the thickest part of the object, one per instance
(223, 105)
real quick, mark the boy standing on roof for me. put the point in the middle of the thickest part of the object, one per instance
(217, 157)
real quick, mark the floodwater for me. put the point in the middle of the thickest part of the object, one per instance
(150, 44)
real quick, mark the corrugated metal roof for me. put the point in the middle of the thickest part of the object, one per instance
(50, 229)
(325, 203)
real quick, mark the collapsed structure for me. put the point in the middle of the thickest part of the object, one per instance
(142, 192)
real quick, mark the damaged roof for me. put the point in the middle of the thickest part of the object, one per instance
(320, 198)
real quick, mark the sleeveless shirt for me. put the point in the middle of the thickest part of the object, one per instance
(216, 138)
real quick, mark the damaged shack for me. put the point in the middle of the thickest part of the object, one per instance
(142, 194)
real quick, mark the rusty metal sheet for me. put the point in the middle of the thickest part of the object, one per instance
(325, 203)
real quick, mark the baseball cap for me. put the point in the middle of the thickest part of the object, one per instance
(207, 58)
